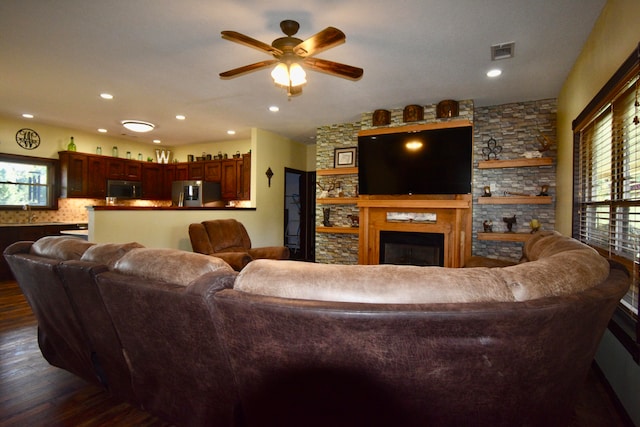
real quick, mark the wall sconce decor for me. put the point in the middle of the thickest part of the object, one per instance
(492, 150)
(269, 174)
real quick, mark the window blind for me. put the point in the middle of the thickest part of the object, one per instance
(608, 199)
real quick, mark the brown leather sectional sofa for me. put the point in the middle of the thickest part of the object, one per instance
(286, 343)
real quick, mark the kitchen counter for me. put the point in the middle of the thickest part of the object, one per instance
(41, 224)
(167, 208)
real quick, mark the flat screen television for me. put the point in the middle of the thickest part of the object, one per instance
(434, 161)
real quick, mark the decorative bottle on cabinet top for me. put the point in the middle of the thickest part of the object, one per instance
(72, 145)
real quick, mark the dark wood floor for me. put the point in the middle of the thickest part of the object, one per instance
(33, 393)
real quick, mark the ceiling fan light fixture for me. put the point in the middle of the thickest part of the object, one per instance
(289, 75)
(138, 126)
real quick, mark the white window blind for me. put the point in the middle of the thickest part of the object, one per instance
(609, 182)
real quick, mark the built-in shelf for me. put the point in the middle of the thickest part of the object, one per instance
(338, 230)
(505, 237)
(515, 163)
(515, 200)
(337, 201)
(336, 171)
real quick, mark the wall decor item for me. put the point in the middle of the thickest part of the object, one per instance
(492, 150)
(344, 157)
(486, 191)
(447, 108)
(162, 156)
(28, 139)
(535, 225)
(510, 221)
(544, 190)
(487, 225)
(326, 214)
(413, 113)
(381, 117)
(269, 174)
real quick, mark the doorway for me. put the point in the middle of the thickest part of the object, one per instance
(299, 208)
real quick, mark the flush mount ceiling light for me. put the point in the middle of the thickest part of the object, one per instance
(494, 73)
(138, 126)
(291, 54)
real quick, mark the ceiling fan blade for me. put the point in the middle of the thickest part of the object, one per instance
(234, 36)
(248, 68)
(325, 39)
(334, 68)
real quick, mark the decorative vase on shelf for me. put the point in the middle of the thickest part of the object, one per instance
(326, 213)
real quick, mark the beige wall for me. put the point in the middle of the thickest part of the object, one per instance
(54, 139)
(615, 35)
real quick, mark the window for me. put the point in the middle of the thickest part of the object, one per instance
(607, 185)
(27, 181)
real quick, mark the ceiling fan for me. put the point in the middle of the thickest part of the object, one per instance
(292, 55)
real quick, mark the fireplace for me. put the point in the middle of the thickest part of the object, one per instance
(446, 216)
(409, 248)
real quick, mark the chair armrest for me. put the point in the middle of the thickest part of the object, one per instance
(237, 260)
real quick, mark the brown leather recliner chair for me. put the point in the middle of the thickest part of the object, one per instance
(229, 240)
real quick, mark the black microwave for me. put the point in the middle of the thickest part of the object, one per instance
(124, 189)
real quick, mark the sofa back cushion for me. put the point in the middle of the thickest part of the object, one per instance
(559, 266)
(371, 283)
(108, 253)
(60, 247)
(168, 265)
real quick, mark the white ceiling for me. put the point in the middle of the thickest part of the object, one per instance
(160, 58)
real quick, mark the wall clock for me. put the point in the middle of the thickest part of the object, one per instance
(28, 139)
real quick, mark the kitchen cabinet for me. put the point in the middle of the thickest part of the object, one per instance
(73, 170)
(196, 170)
(86, 175)
(153, 183)
(122, 169)
(17, 232)
(96, 177)
(213, 170)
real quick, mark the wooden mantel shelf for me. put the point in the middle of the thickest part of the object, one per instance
(515, 200)
(515, 163)
(336, 171)
(415, 204)
(505, 237)
(337, 230)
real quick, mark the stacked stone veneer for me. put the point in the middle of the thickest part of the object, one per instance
(516, 127)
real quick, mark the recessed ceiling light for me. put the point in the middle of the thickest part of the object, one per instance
(180, 117)
(27, 116)
(156, 141)
(102, 130)
(231, 132)
(494, 73)
(138, 125)
(106, 96)
(274, 108)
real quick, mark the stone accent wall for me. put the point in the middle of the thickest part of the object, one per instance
(515, 127)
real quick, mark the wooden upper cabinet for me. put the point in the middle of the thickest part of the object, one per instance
(122, 169)
(196, 170)
(229, 183)
(73, 174)
(153, 182)
(246, 176)
(97, 177)
(213, 170)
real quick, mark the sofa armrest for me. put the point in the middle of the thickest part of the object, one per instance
(18, 248)
(270, 252)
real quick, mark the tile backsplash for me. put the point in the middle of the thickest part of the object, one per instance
(70, 210)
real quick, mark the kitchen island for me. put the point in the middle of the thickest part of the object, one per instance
(168, 227)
